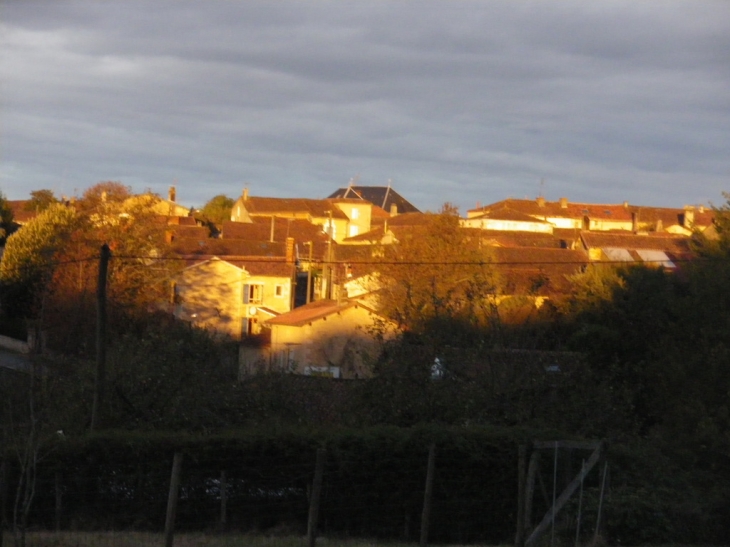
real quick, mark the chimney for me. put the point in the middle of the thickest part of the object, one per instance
(245, 194)
(393, 210)
(689, 216)
(540, 201)
(563, 203)
(171, 194)
(626, 204)
(290, 250)
(634, 221)
(659, 225)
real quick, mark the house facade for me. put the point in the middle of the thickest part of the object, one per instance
(339, 218)
(323, 338)
(233, 297)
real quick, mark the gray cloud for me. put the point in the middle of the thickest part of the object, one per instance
(460, 101)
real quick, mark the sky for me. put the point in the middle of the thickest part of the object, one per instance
(447, 101)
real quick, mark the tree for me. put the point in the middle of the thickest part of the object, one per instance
(97, 198)
(437, 270)
(29, 257)
(40, 200)
(7, 225)
(217, 210)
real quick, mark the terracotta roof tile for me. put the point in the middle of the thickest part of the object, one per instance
(318, 208)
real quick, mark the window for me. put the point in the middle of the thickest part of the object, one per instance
(353, 231)
(355, 213)
(253, 293)
(280, 291)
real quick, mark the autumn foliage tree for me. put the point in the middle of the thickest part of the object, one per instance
(50, 267)
(437, 270)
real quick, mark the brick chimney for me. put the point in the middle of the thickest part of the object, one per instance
(540, 201)
(393, 210)
(563, 203)
(245, 194)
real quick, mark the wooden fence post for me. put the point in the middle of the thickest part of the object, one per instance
(530, 491)
(521, 481)
(3, 499)
(59, 500)
(172, 499)
(314, 501)
(428, 494)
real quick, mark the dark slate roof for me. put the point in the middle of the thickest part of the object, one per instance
(382, 196)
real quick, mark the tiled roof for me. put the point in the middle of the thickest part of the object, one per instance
(227, 247)
(537, 270)
(655, 241)
(382, 196)
(623, 212)
(317, 208)
(313, 311)
(509, 238)
(254, 265)
(190, 232)
(507, 213)
(260, 230)
(21, 215)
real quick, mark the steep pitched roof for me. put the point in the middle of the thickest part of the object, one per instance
(382, 196)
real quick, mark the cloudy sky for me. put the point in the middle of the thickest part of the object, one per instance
(461, 101)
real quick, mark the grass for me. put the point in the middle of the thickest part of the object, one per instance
(141, 539)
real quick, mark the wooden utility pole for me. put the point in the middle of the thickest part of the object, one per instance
(100, 379)
(330, 232)
(309, 272)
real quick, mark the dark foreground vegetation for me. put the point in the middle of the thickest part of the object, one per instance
(639, 357)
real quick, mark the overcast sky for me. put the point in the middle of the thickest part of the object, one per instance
(600, 101)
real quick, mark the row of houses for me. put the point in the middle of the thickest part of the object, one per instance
(291, 268)
(285, 276)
